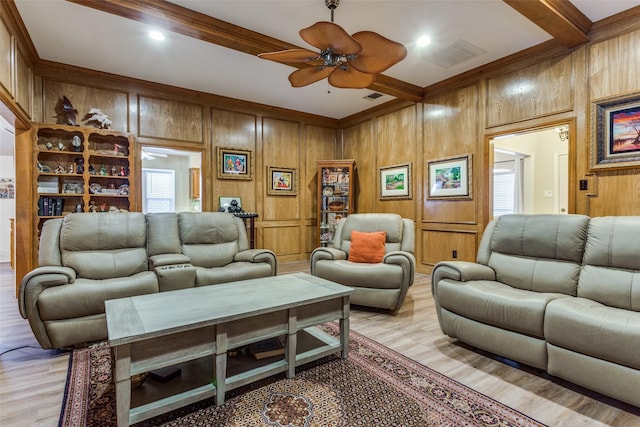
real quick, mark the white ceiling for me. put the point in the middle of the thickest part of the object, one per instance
(73, 34)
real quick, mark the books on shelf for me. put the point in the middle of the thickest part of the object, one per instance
(50, 206)
(267, 348)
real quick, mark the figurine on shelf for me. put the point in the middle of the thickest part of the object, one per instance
(76, 144)
(114, 171)
(79, 207)
(96, 117)
(72, 168)
(60, 169)
(123, 172)
(119, 149)
(103, 171)
(103, 207)
(92, 207)
(48, 145)
(66, 113)
(92, 170)
(79, 165)
(43, 168)
(60, 146)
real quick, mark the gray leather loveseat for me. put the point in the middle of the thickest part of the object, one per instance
(88, 258)
(558, 292)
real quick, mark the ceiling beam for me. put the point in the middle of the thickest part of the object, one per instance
(559, 18)
(187, 22)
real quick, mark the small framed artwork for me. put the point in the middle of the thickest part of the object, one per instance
(615, 132)
(234, 163)
(395, 182)
(230, 202)
(282, 181)
(450, 178)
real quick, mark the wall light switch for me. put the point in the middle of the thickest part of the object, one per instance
(548, 194)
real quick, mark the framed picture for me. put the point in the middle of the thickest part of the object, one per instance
(234, 163)
(615, 132)
(282, 181)
(450, 178)
(395, 182)
(226, 203)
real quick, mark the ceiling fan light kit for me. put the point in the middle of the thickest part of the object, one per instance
(347, 61)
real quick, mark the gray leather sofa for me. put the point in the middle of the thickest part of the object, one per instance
(86, 259)
(557, 292)
(382, 285)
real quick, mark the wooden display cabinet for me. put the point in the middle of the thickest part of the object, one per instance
(78, 169)
(335, 196)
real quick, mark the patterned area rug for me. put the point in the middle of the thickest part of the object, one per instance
(375, 387)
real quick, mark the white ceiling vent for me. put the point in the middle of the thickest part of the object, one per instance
(373, 96)
(454, 54)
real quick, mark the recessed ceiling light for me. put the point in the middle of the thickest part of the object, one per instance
(423, 41)
(156, 35)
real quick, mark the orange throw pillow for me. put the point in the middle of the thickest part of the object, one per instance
(367, 247)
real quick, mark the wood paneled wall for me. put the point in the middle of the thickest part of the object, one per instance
(556, 89)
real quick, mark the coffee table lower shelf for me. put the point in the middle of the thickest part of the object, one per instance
(196, 381)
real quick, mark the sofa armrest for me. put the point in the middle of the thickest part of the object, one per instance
(325, 253)
(461, 271)
(406, 260)
(259, 255)
(39, 279)
(31, 286)
(167, 259)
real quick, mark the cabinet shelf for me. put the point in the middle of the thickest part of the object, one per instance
(335, 184)
(83, 148)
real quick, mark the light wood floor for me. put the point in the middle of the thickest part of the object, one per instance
(32, 380)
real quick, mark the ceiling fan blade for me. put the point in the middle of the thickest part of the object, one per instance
(327, 35)
(350, 78)
(378, 52)
(306, 76)
(291, 55)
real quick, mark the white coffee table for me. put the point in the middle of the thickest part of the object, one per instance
(149, 332)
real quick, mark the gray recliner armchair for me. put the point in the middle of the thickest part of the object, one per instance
(383, 284)
(84, 260)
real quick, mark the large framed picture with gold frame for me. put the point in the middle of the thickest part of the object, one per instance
(234, 163)
(615, 132)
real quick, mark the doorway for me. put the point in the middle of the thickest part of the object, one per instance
(530, 173)
(7, 192)
(171, 180)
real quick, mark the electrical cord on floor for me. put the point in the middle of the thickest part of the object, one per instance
(18, 348)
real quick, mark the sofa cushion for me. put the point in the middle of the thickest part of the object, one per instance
(209, 239)
(540, 253)
(162, 233)
(559, 237)
(594, 329)
(367, 247)
(497, 304)
(540, 275)
(230, 273)
(611, 272)
(391, 224)
(86, 297)
(102, 246)
(379, 276)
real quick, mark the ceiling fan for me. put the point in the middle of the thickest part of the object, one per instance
(348, 61)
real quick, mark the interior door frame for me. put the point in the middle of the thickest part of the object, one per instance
(522, 128)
